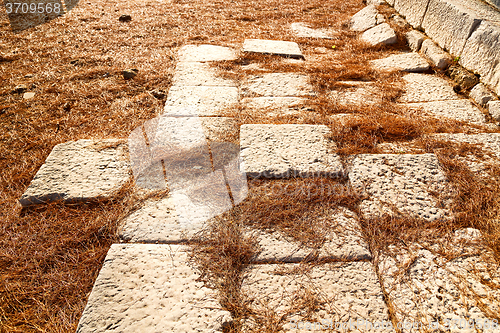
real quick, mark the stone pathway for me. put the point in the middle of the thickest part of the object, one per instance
(198, 151)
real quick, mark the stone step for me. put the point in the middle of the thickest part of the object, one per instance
(203, 53)
(198, 74)
(277, 85)
(459, 109)
(275, 47)
(426, 88)
(406, 62)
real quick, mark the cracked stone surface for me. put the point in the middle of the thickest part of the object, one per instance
(277, 47)
(426, 88)
(380, 34)
(460, 109)
(412, 10)
(407, 183)
(277, 151)
(277, 85)
(344, 291)
(406, 62)
(356, 93)
(150, 288)
(343, 241)
(205, 53)
(302, 30)
(198, 74)
(200, 100)
(366, 18)
(78, 171)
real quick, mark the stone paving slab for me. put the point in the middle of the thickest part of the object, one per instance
(356, 93)
(78, 171)
(150, 288)
(407, 183)
(277, 47)
(277, 85)
(302, 30)
(343, 241)
(460, 109)
(426, 88)
(206, 53)
(406, 62)
(198, 74)
(366, 18)
(200, 100)
(276, 106)
(494, 109)
(412, 10)
(277, 151)
(380, 34)
(346, 292)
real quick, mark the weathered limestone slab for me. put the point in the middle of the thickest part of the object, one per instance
(302, 30)
(436, 55)
(150, 288)
(494, 109)
(403, 182)
(449, 24)
(412, 10)
(206, 53)
(278, 85)
(200, 100)
(460, 109)
(198, 74)
(406, 62)
(426, 88)
(344, 292)
(366, 18)
(356, 93)
(415, 39)
(276, 106)
(380, 34)
(343, 241)
(277, 151)
(78, 171)
(481, 95)
(277, 47)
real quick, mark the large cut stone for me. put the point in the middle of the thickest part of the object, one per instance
(366, 18)
(198, 74)
(278, 85)
(150, 288)
(356, 93)
(494, 109)
(460, 109)
(343, 241)
(78, 171)
(481, 95)
(302, 30)
(411, 184)
(345, 294)
(276, 106)
(380, 34)
(415, 39)
(200, 100)
(277, 151)
(206, 53)
(426, 88)
(412, 10)
(436, 55)
(277, 47)
(406, 62)
(449, 24)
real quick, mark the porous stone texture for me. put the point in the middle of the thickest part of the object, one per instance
(198, 74)
(426, 88)
(415, 39)
(277, 151)
(406, 62)
(481, 55)
(380, 34)
(462, 77)
(302, 30)
(404, 183)
(436, 55)
(481, 95)
(460, 109)
(449, 24)
(150, 288)
(205, 53)
(356, 93)
(277, 85)
(277, 47)
(494, 109)
(200, 100)
(412, 10)
(275, 106)
(79, 171)
(343, 241)
(344, 292)
(366, 18)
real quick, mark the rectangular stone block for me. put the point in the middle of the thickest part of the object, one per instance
(199, 74)
(150, 288)
(412, 10)
(200, 100)
(277, 47)
(205, 53)
(426, 88)
(277, 85)
(460, 109)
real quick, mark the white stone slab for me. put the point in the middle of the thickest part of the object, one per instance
(344, 292)
(357, 93)
(206, 53)
(481, 95)
(412, 10)
(198, 74)
(415, 39)
(150, 288)
(406, 62)
(494, 109)
(277, 151)
(277, 47)
(426, 88)
(460, 109)
(200, 100)
(304, 31)
(380, 34)
(80, 170)
(366, 18)
(407, 183)
(278, 85)
(436, 55)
